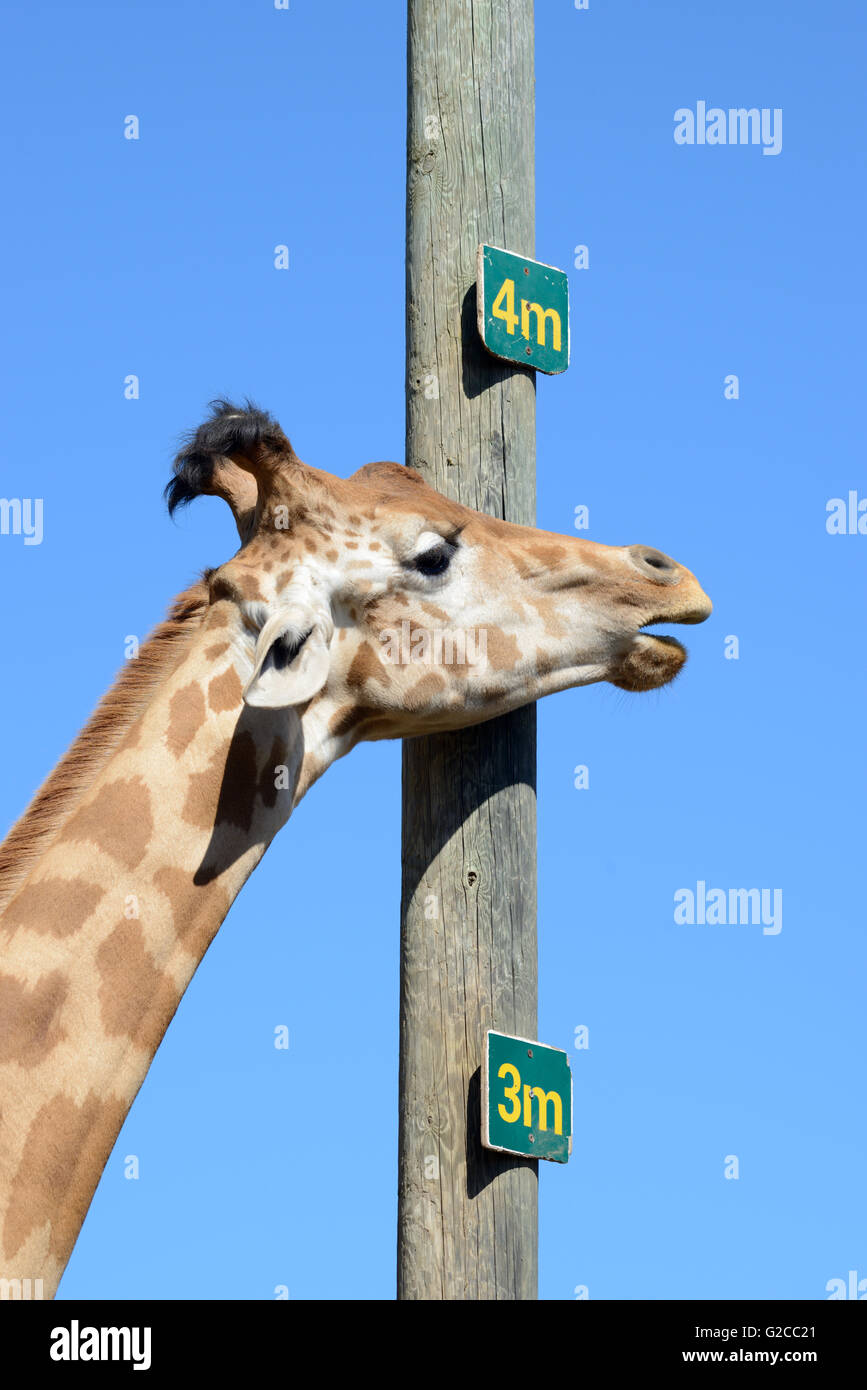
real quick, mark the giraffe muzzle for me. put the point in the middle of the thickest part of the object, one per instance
(654, 659)
(689, 605)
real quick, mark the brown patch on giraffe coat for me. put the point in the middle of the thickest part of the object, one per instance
(132, 988)
(433, 612)
(379, 612)
(284, 578)
(118, 821)
(503, 651)
(351, 545)
(29, 1018)
(364, 718)
(203, 793)
(366, 666)
(58, 906)
(176, 884)
(218, 617)
(424, 690)
(225, 692)
(549, 612)
(196, 911)
(248, 585)
(540, 555)
(225, 793)
(217, 650)
(186, 716)
(310, 545)
(64, 1153)
(546, 662)
(551, 553)
(332, 556)
(344, 719)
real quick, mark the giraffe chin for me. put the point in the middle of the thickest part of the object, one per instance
(651, 662)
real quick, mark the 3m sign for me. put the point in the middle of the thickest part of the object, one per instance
(523, 309)
(526, 1098)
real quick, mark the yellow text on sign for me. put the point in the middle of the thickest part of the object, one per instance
(503, 308)
(543, 1098)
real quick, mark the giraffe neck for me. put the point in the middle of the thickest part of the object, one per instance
(99, 943)
(88, 754)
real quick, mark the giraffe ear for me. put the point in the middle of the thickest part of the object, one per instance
(292, 659)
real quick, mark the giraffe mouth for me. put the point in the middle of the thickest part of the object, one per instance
(653, 660)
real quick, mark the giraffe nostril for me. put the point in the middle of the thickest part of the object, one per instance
(654, 564)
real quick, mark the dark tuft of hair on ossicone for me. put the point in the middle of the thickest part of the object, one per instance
(230, 429)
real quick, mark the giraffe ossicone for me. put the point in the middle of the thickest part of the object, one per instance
(265, 673)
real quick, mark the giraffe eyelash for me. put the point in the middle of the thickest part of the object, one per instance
(434, 562)
(445, 546)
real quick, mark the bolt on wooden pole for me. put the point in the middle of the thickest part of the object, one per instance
(467, 1217)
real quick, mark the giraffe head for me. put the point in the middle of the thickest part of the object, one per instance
(395, 611)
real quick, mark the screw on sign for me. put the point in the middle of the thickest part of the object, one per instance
(522, 309)
(526, 1098)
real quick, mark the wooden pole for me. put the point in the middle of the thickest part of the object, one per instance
(467, 1217)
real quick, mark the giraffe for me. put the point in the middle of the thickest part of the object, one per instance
(275, 664)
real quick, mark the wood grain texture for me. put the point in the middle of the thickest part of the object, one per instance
(467, 1217)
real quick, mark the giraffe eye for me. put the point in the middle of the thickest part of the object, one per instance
(436, 560)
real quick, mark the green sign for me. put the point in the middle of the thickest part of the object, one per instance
(523, 309)
(526, 1098)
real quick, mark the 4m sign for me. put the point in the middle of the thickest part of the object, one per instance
(526, 1098)
(523, 309)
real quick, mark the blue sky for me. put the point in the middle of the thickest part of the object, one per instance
(155, 257)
